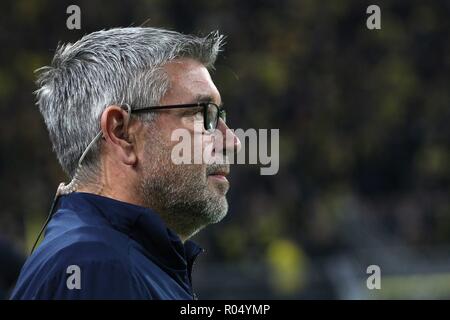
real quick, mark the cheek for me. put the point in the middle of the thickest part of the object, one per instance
(209, 154)
(154, 154)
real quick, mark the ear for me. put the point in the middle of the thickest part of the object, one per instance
(114, 124)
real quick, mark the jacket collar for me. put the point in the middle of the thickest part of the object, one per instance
(144, 226)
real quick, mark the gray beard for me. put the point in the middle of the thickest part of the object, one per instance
(180, 193)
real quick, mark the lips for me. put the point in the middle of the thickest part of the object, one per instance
(218, 172)
(221, 171)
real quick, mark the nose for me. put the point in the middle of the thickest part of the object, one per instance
(231, 143)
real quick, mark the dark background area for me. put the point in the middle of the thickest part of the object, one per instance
(364, 121)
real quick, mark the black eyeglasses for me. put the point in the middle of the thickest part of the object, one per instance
(211, 112)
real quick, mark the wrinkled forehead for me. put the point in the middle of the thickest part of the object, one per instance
(189, 80)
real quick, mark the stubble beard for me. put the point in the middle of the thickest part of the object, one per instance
(182, 194)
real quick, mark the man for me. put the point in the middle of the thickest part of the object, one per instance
(111, 102)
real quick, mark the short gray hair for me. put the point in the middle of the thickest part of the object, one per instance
(120, 65)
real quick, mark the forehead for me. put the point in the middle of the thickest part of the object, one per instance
(189, 79)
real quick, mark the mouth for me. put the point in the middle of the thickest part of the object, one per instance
(220, 175)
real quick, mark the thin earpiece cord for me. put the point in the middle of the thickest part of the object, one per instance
(64, 189)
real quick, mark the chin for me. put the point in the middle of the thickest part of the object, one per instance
(216, 210)
(219, 189)
(224, 210)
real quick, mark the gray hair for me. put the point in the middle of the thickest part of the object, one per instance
(120, 65)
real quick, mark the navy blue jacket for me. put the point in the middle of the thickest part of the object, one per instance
(123, 251)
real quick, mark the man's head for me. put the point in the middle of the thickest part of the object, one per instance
(82, 94)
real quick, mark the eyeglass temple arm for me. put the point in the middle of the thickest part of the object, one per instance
(174, 106)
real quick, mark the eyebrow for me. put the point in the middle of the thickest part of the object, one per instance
(205, 98)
